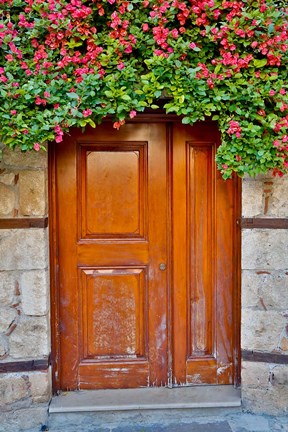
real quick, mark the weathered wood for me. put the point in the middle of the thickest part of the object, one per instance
(16, 223)
(266, 223)
(145, 223)
(264, 357)
(25, 366)
(108, 189)
(205, 238)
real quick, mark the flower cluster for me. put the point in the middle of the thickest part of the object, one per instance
(72, 63)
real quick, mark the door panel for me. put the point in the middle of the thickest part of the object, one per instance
(204, 217)
(114, 191)
(113, 296)
(126, 202)
(117, 293)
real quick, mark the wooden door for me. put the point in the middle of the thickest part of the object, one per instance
(205, 261)
(144, 258)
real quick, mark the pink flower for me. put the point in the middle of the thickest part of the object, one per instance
(87, 112)
(192, 45)
(46, 94)
(224, 166)
(174, 33)
(121, 66)
(58, 138)
(282, 91)
(36, 146)
(272, 92)
(145, 27)
(234, 128)
(13, 112)
(132, 114)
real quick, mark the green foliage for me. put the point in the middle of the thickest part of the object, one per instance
(72, 63)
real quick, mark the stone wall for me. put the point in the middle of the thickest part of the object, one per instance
(24, 290)
(265, 296)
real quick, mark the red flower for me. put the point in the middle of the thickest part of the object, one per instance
(87, 112)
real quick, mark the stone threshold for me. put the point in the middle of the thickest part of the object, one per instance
(155, 398)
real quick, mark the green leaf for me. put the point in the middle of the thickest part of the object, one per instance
(126, 97)
(108, 93)
(72, 95)
(260, 63)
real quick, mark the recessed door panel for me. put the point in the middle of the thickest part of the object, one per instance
(113, 190)
(114, 313)
(201, 293)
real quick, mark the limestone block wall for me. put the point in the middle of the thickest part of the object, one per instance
(25, 383)
(264, 331)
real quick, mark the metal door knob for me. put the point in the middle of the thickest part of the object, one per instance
(162, 266)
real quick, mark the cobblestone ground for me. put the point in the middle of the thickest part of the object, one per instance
(239, 422)
(169, 422)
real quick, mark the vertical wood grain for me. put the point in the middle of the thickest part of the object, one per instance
(108, 239)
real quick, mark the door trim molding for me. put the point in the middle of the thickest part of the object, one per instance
(237, 281)
(53, 255)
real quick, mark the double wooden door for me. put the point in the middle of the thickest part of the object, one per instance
(145, 258)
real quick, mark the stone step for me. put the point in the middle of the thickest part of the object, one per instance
(142, 409)
(155, 398)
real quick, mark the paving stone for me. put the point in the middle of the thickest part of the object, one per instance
(118, 422)
(249, 423)
(192, 427)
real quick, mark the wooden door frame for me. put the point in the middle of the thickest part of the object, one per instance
(157, 117)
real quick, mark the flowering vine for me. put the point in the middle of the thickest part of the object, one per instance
(72, 63)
